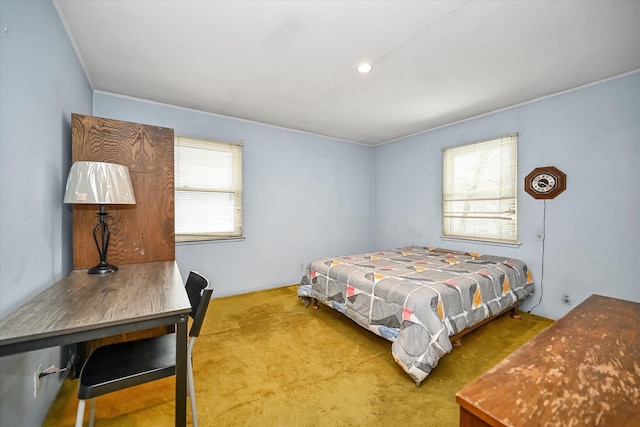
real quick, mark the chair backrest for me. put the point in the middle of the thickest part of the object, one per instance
(199, 292)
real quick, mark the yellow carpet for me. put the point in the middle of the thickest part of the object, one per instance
(263, 359)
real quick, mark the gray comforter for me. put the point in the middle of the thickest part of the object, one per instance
(417, 297)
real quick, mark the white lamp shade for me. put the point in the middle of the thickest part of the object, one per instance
(99, 183)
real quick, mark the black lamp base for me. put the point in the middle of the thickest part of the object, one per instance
(103, 268)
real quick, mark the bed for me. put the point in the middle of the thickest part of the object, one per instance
(417, 297)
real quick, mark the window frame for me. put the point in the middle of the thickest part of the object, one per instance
(503, 196)
(236, 150)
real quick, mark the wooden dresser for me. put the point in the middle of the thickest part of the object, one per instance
(584, 370)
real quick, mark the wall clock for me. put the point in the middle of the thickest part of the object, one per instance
(545, 182)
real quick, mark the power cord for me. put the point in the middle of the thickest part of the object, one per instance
(544, 237)
(51, 370)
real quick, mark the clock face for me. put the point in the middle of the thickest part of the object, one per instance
(545, 182)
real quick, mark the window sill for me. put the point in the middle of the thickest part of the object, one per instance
(481, 242)
(206, 241)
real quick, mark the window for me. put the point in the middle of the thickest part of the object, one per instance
(479, 198)
(208, 189)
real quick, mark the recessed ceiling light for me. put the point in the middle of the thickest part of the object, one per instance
(364, 68)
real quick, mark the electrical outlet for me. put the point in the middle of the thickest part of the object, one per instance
(539, 235)
(36, 380)
(566, 299)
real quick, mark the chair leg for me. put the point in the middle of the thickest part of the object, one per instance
(80, 413)
(192, 393)
(92, 416)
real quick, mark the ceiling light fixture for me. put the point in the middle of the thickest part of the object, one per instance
(364, 68)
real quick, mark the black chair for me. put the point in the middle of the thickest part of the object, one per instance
(118, 366)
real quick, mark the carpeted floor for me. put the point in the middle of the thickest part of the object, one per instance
(263, 359)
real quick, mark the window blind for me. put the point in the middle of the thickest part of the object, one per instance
(208, 189)
(480, 190)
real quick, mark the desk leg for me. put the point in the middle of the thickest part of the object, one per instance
(181, 373)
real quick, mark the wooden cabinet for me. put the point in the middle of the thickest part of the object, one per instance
(143, 232)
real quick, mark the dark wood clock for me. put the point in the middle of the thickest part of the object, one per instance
(545, 182)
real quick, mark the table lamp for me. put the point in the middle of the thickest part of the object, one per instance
(101, 184)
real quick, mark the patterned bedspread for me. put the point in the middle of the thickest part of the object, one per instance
(417, 297)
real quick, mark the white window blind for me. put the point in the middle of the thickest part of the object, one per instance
(480, 190)
(208, 189)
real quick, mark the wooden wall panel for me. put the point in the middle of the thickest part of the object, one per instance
(143, 232)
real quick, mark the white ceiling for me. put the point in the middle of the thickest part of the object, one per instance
(292, 63)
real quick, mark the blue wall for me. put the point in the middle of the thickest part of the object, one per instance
(304, 196)
(307, 196)
(41, 84)
(592, 229)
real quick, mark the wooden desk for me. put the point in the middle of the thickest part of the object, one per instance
(83, 307)
(584, 370)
